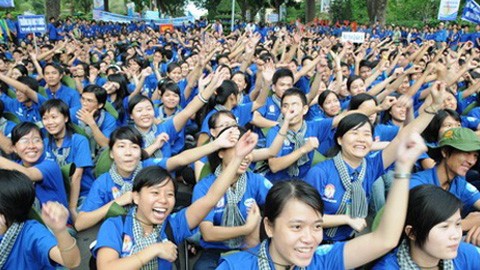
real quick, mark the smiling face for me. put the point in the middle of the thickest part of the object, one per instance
(52, 76)
(126, 156)
(357, 87)
(295, 234)
(155, 203)
(54, 122)
(459, 162)
(29, 147)
(176, 74)
(282, 85)
(357, 142)
(170, 99)
(331, 105)
(143, 115)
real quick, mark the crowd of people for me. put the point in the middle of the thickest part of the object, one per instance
(288, 138)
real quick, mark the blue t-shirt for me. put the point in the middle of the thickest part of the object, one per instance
(117, 234)
(459, 187)
(256, 191)
(325, 178)
(24, 113)
(78, 153)
(31, 249)
(270, 110)
(468, 258)
(243, 114)
(108, 125)
(104, 190)
(51, 187)
(70, 96)
(321, 129)
(325, 257)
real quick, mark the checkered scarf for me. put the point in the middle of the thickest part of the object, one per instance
(8, 241)
(142, 241)
(232, 217)
(406, 262)
(353, 191)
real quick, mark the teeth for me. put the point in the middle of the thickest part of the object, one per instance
(303, 250)
(160, 210)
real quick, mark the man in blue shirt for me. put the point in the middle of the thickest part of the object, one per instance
(456, 153)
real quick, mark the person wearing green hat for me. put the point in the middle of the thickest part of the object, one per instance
(456, 153)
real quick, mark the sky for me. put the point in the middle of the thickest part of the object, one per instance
(195, 10)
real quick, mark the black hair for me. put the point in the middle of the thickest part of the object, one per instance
(349, 122)
(152, 176)
(16, 196)
(212, 121)
(30, 82)
(99, 92)
(126, 133)
(323, 96)
(359, 99)
(246, 77)
(122, 92)
(214, 159)
(284, 191)
(135, 100)
(168, 85)
(351, 79)
(295, 92)
(55, 66)
(387, 115)
(430, 134)
(280, 73)
(429, 205)
(173, 66)
(23, 129)
(227, 88)
(63, 109)
(23, 70)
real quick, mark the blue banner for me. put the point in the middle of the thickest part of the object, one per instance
(448, 10)
(7, 3)
(471, 12)
(112, 17)
(32, 24)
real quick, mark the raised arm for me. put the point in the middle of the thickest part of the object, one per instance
(387, 235)
(197, 211)
(30, 93)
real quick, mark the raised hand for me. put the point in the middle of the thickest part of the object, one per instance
(55, 216)
(246, 144)
(410, 149)
(228, 138)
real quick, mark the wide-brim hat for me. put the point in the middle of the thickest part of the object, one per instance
(462, 139)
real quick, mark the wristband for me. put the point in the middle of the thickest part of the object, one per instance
(402, 175)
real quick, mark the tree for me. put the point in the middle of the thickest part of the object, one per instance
(52, 8)
(377, 11)
(310, 10)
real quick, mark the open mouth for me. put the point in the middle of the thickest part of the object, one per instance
(159, 212)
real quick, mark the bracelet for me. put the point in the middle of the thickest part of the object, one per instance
(71, 247)
(429, 112)
(402, 175)
(202, 99)
(139, 259)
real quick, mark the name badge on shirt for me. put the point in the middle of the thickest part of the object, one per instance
(127, 244)
(115, 192)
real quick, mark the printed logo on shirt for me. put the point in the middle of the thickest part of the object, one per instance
(329, 191)
(115, 192)
(267, 183)
(286, 142)
(271, 108)
(221, 203)
(471, 188)
(249, 202)
(127, 244)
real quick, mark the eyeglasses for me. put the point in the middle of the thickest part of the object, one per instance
(227, 125)
(27, 141)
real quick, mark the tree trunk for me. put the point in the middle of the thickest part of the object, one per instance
(52, 8)
(377, 11)
(105, 5)
(309, 11)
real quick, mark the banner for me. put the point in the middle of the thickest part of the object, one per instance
(32, 24)
(7, 3)
(471, 12)
(354, 37)
(98, 5)
(448, 10)
(100, 15)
